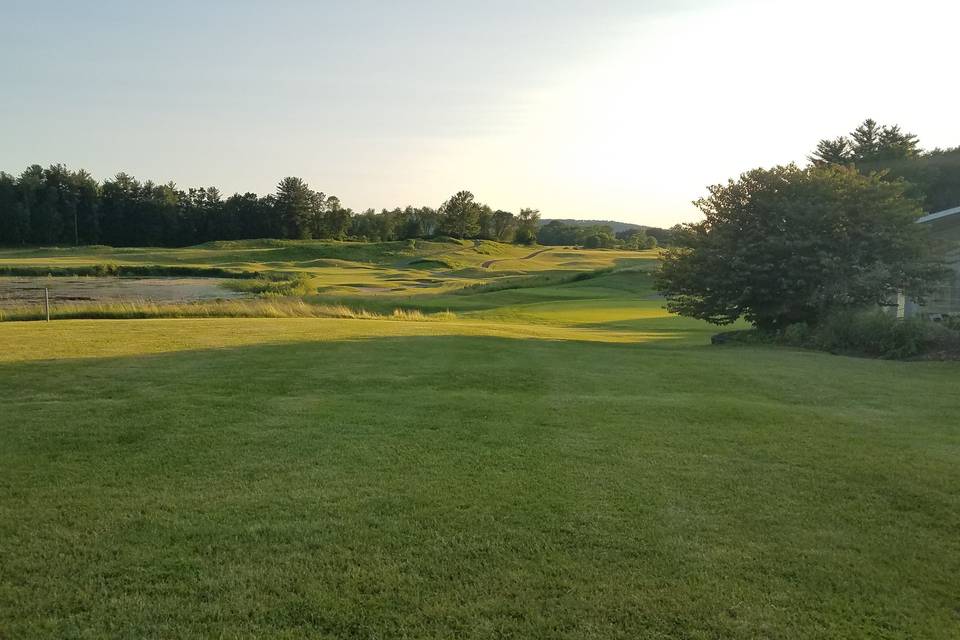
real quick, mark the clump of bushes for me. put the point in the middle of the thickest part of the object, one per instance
(861, 333)
(952, 322)
(877, 334)
(297, 285)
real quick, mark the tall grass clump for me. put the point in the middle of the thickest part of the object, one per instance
(270, 307)
(418, 316)
(298, 285)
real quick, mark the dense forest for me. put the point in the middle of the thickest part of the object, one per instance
(57, 206)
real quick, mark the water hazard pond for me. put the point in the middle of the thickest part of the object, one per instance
(24, 291)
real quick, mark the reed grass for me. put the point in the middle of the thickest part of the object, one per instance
(298, 285)
(269, 307)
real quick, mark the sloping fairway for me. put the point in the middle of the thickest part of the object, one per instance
(345, 270)
(563, 460)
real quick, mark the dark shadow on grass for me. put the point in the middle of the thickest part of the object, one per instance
(486, 344)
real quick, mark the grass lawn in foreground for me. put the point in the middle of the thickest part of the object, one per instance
(371, 479)
(555, 458)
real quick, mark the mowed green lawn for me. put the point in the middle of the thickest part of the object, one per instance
(559, 462)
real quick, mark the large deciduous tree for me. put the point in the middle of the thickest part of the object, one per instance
(789, 245)
(504, 225)
(528, 223)
(461, 215)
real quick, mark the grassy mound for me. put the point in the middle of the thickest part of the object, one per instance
(432, 263)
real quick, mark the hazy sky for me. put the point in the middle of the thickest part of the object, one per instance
(593, 109)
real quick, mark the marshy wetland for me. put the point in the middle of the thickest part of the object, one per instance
(20, 291)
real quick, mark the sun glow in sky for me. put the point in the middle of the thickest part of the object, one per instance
(610, 110)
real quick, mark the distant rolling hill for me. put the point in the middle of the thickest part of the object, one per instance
(616, 226)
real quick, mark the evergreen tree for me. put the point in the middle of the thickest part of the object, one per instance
(895, 144)
(295, 206)
(86, 222)
(11, 231)
(933, 177)
(835, 151)
(865, 141)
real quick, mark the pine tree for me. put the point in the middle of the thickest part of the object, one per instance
(894, 144)
(836, 151)
(865, 141)
(294, 207)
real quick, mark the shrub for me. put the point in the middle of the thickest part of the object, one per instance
(862, 333)
(872, 333)
(952, 322)
(745, 337)
(797, 334)
(944, 338)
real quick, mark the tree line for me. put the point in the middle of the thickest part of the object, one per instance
(57, 206)
(600, 236)
(932, 177)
